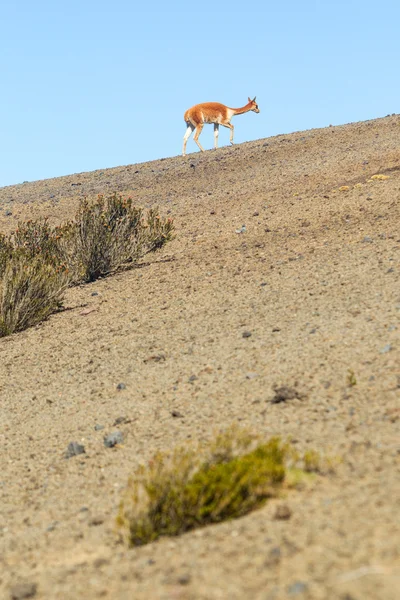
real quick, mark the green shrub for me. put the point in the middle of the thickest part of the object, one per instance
(189, 488)
(110, 233)
(30, 290)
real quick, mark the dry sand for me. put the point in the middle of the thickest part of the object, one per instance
(314, 278)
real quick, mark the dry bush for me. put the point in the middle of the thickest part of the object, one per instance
(38, 261)
(110, 233)
(30, 290)
(6, 250)
(188, 488)
(38, 238)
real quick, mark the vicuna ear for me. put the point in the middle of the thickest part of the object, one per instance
(248, 98)
(254, 99)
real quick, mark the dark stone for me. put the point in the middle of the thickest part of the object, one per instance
(177, 414)
(74, 449)
(284, 393)
(113, 439)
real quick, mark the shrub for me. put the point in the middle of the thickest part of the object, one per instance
(6, 250)
(189, 488)
(38, 238)
(30, 290)
(109, 234)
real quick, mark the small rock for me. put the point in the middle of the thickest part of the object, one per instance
(155, 357)
(23, 590)
(101, 561)
(121, 420)
(113, 439)
(298, 587)
(184, 579)
(52, 526)
(274, 556)
(8, 213)
(94, 293)
(96, 520)
(246, 334)
(177, 414)
(385, 349)
(251, 375)
(121, 386)
(275, 329)
(284, 393)
(283, 512)
(98, 427)
(241, 230)
(192, 378)
(74, 449)
(367, 239)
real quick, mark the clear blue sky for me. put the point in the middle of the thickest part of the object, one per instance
(93, 84)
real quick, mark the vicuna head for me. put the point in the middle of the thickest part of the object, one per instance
(254, 105)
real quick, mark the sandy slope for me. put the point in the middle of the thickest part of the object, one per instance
(314, 278)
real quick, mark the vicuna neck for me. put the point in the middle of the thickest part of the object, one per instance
(244, 109)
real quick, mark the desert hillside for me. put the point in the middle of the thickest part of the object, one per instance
(285, 271)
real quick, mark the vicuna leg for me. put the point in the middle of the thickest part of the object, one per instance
(216, 132)
(229, 126)
(198, 131)
(189, 130)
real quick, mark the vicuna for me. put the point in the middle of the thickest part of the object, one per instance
(216, 113)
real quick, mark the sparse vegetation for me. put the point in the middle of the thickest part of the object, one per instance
(30, 290)
(37, 261)
(38, 238)
(5, 252)
(351, 378)
(190, 488)
(111, 233)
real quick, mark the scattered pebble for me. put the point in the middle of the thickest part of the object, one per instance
(74, 449)
(176, 414)
(283, 512)
(284, 393)
(246, 334)
(113, 439)
(385, 349)
(98, 427)
(121, 420)
(121, 386)
(23, 590)
(298, 587)
(251, 375)
(96, 520)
